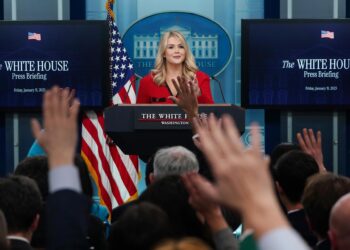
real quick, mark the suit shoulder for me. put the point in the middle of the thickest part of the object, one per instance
(147, 78)
(201, 74)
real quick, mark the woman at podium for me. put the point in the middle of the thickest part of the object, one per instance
(174, 59)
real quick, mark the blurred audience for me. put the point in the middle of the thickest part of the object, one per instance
(179, 212)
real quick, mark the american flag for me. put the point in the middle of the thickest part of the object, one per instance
(34, 36)
(327, 34)
(115, 174)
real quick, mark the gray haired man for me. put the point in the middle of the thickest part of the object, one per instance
(175, 160)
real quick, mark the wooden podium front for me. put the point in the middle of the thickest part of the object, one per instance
(141, 129)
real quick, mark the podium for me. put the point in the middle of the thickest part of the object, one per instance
(142, 129)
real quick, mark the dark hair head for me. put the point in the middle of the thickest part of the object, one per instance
(35, 168)
(170, 194)
(140, 228)
(321, 193)
(279, 151)
(20, 201)
(292, 170)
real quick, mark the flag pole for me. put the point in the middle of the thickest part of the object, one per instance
(108, 4)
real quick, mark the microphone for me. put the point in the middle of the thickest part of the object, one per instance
(219, 83)
(136, 78)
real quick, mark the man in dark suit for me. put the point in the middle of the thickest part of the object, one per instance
(291, 172)
(21, 203)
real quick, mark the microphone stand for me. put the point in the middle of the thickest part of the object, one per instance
(219, 83)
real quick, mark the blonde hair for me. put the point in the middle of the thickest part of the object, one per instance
(189, 67)
(189, 243)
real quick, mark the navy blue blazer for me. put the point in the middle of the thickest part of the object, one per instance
(67, 216)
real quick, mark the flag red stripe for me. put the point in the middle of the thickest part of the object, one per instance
(135, 162)
(129, 184)
(94, 163)
(93, 132)
(124, 174)
(123, 94)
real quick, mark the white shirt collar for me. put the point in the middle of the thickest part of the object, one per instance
(13, 237)
(294, 210)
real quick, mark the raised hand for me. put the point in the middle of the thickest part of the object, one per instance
(186, 98)
(194, 85)
(203, 194)
(312, 145)
(203, 198)
(233, 166)
(59, 137)
(242, 178)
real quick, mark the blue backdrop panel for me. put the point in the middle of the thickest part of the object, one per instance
(1, 9)
(272, 9)
(77, 9)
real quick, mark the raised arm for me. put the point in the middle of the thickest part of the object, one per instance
(243, 182)
(312, 145)
(59, 136)
(67, 210)
(209, 210)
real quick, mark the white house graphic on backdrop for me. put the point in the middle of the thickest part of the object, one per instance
(202, 46)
